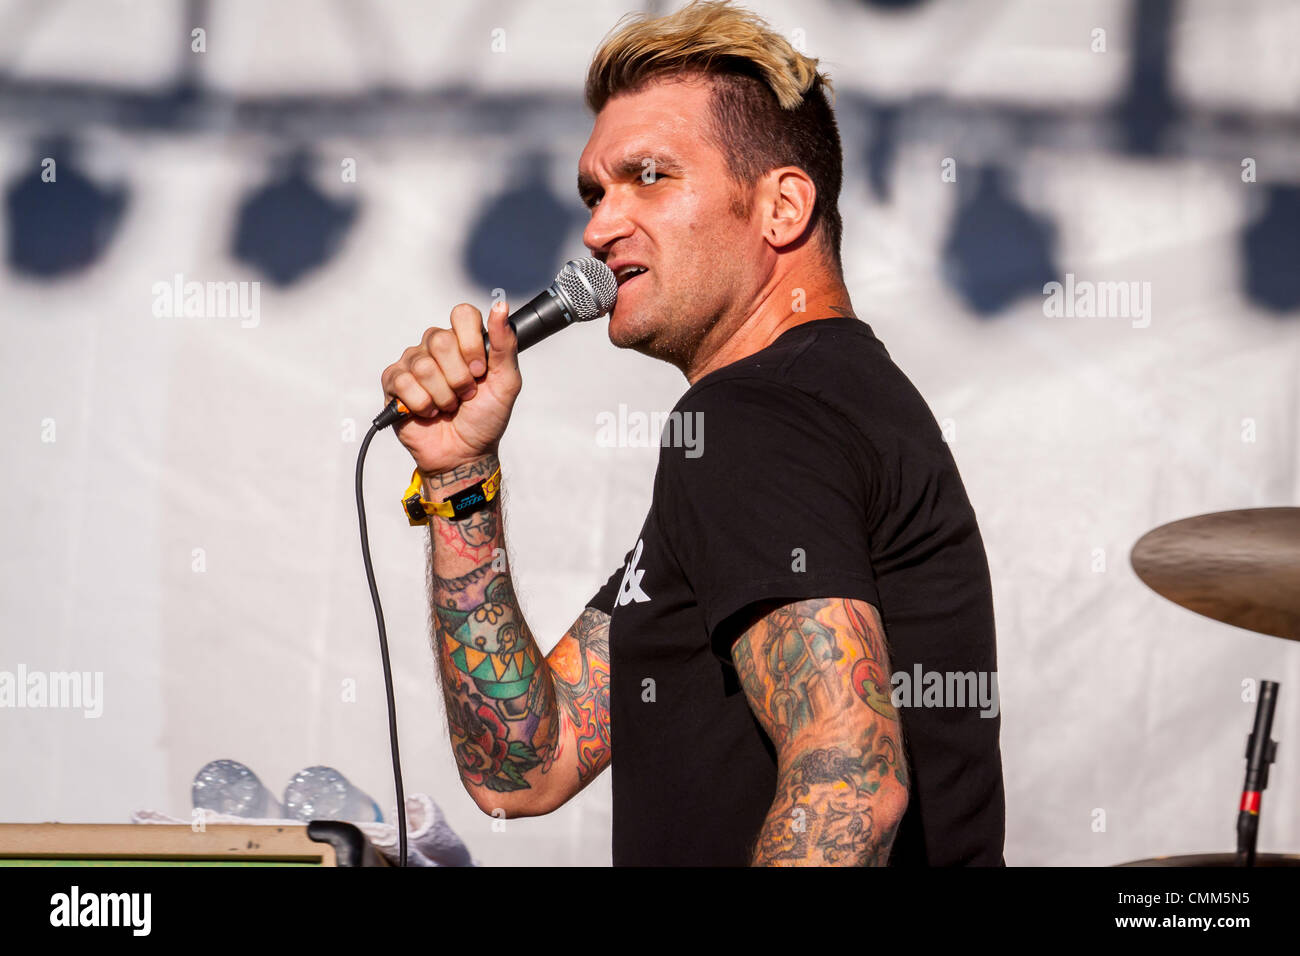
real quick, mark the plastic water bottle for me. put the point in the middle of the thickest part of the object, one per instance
(227, 786)
(322, 793)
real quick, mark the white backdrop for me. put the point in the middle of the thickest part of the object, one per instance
(177, 492)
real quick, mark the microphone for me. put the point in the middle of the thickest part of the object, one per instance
(583, 290)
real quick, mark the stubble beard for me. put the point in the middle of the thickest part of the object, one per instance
(657, 334)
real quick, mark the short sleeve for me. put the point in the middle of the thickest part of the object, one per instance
(770, 503)
(603, 600)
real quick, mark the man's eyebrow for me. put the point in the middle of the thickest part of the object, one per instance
(629, 167)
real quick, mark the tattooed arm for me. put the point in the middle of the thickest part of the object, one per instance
(528, 732)
(816, 674)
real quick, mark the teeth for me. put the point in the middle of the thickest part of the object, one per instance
(626, 272)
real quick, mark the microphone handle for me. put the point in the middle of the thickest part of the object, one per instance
(541, 317)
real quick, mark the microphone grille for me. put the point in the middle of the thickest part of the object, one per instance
(590, 287)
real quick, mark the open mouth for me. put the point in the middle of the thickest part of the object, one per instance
(626, 274)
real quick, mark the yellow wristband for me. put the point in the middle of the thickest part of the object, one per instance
(462, 503)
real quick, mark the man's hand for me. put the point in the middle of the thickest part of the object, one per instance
(816, 673)
(459, 393)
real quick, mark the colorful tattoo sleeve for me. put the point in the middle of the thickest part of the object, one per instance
(816, 674)
(580, 663)
(516, 720)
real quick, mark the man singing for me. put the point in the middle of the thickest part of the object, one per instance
(740, 660)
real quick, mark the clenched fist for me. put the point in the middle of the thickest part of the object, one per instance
(460, 393)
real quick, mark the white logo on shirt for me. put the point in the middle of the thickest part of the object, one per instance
(630, 589)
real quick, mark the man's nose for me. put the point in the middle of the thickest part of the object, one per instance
(608, 224)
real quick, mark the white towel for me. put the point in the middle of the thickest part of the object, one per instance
(428, 835)
(431, 840)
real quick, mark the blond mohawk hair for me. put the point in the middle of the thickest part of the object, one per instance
(694, 39)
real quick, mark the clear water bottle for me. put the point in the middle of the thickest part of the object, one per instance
(227, 786)
(322, 793)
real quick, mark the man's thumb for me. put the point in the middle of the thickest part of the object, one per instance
(502, 342)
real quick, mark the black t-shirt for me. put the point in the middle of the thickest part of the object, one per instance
(819, 472)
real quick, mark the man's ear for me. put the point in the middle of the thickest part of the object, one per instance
(787, 196)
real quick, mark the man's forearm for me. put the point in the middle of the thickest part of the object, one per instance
(499, 695)
(829, 808)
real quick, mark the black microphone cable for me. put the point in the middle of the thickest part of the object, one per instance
(379, 424)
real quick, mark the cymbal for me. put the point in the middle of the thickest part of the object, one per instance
(1217, 859)
(1239, 567)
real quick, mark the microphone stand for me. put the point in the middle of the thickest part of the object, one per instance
(1260, 752)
